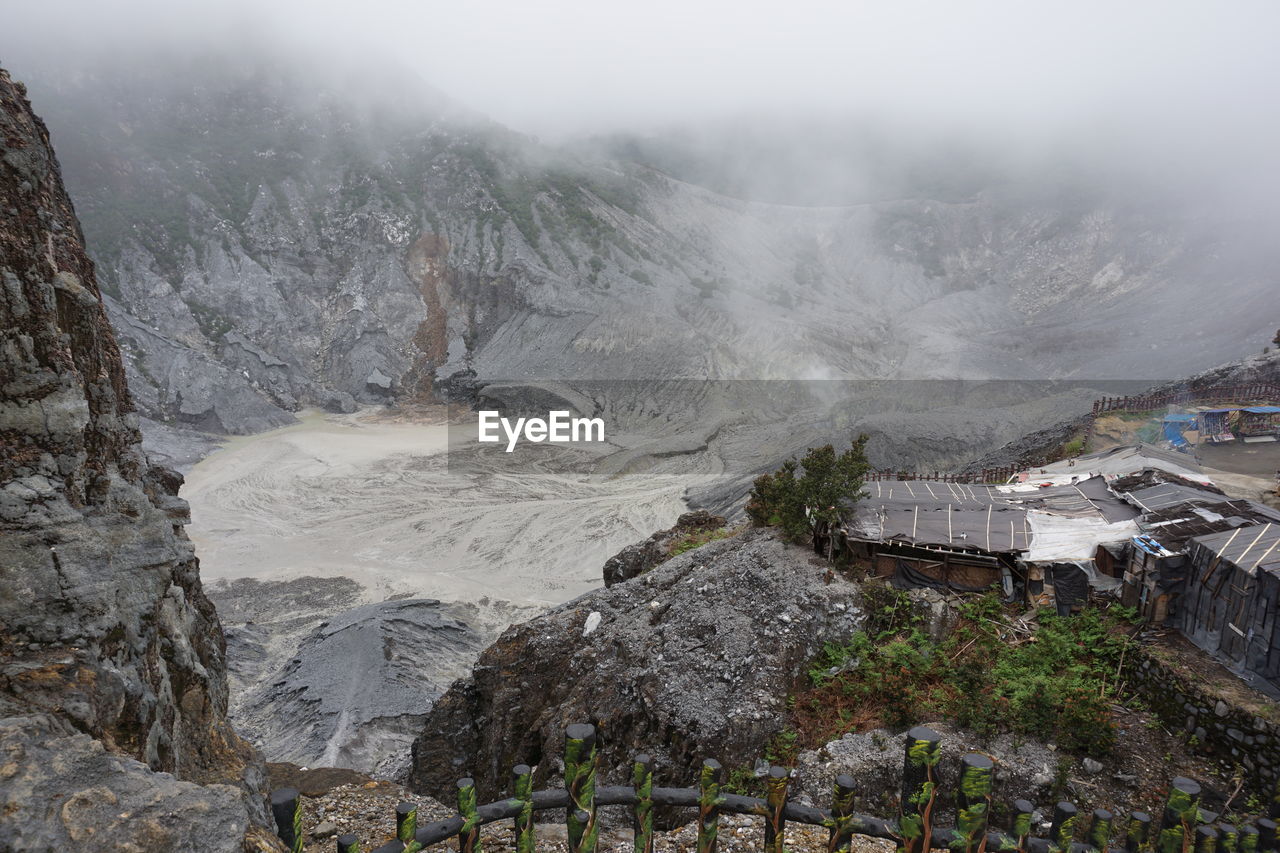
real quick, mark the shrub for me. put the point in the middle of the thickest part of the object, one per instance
(796, 503)
(1057, 683)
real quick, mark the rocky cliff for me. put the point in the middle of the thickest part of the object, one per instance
(112, 679)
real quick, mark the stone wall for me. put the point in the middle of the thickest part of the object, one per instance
(1223, 730)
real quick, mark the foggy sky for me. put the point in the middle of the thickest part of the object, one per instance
(561, 66)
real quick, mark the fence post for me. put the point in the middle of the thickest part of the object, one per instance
(469, 834)
(1022, 811)
(1062, 831)
(286, 808)
(1206, 839)
(1100, 831)
(1228, 838)
(1137, 832)
(1179, 815)
(406, 822)
(919, 789)
(522, 788)
(840, 839)
(348, 843)
(1266, 833)
(642, 781)
(1248, 838)
(973, 802)
(708, 805)
(776, 799)
(580, 761)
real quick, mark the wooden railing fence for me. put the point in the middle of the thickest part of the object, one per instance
(1184, 827)
(1242, 394)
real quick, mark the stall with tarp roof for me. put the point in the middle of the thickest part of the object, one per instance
(1259, 422)
(1217, 425)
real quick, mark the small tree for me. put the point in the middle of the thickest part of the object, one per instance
(797, 503)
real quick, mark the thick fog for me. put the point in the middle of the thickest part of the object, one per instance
(1183, 93)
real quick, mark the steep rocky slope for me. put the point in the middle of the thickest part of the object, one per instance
(691, 660)
(112, 678)
(271, 237)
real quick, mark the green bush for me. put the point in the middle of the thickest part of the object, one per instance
(795, 503)
(1057, 683)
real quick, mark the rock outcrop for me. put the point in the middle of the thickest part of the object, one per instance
(111, 657)
(693, 659)
(638, 558)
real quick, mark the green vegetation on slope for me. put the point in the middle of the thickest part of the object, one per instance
(984, 675)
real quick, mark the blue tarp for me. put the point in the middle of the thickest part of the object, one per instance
(1173, 434)
(1183, 419)
(1262, 410)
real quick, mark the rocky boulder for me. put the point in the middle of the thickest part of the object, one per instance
(636, 559)
(693, 659)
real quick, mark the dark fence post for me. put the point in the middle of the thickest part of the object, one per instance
(1137, 832)
(642, 781)
(406, 823)
(973, 802)
(1206, 839)
(286, 808)
(1179, 815)
(841, 837)
(775, 798)
(708, 805)
(1100, 831)
(919, 789)
(1062, 831)
(469, 834)
(1266, 833)
(580, 761)
(522, 788)
(1228, 838)
(348, 844)
(1248, 838)
(1022, 811)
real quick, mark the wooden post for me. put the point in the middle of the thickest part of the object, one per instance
(1137, 832)
(1248, 838)
(775, 797)
(1021, 828)
(1100, 831)
(580, 762)
(406, 823)
(708, 805)
(1266, 833)
(522, 788)
(1179, 815)
(348, 844)
(919, 789)
(642, 781)
(973, 802)
(286, 808)
(1206, 839)
(1062, 831)
(469, 834)
(840, 838)
(1228, 838)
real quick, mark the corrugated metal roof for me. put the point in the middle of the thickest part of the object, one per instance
(1164, 495)
(1247, 547)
